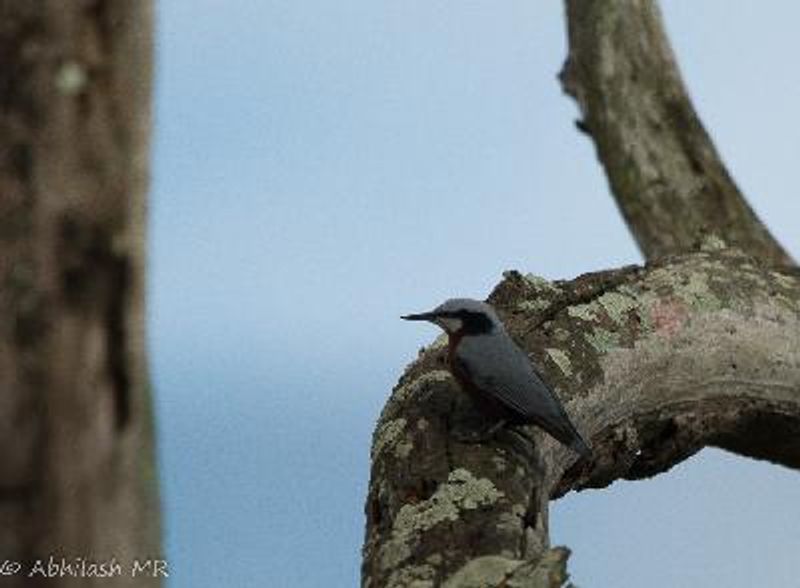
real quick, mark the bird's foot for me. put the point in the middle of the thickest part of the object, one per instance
(521, 433)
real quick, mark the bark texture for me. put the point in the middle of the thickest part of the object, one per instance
(653, 363)
(77, 478)
(665, 174)
(699, 348)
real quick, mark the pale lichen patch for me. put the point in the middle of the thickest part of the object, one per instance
(388, 435)
(403, 448)
(713, 242)
(698, 294)
(495, 570)
(489, 570)
(561, 335)
(628, 290)
(394, 552)
(413, 577)
(550, 571)
(603, 340)
(511, 522)
(435, 559)
(417, 385)
(534, 306)
(470, 492)
(541, 284)
(71, 78)
(617, 305)
(462, 491)
(561, 359)
(499, 463)
(784, 281)
(586, 312)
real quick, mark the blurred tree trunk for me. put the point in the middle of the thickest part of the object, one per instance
(697, 348)
(77, 474)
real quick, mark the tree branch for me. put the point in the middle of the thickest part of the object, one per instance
(666, 176)
(653, 364)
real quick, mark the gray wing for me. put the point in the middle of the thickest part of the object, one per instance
(498, 367)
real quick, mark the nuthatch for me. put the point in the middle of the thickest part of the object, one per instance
(497, 373)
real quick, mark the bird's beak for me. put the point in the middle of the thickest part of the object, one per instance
(423, 316)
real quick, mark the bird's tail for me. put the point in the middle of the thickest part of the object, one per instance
(565, 432)
(580, 446)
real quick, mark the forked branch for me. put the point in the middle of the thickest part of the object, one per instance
(698, 348)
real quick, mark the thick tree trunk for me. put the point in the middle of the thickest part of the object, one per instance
(698, 348)
(77, 478)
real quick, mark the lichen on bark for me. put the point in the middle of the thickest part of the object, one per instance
(699, 356)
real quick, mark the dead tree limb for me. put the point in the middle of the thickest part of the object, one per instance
(653, 363)
(699, 348)
(663, 169)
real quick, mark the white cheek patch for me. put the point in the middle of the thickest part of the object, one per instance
(450, 324)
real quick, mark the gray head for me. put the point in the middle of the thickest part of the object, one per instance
(461, 315)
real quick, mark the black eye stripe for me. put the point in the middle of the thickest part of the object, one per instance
(457, 314)
(447, 314)
(474, 322)
(462, 314)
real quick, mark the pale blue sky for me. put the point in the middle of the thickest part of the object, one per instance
(323, 167)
